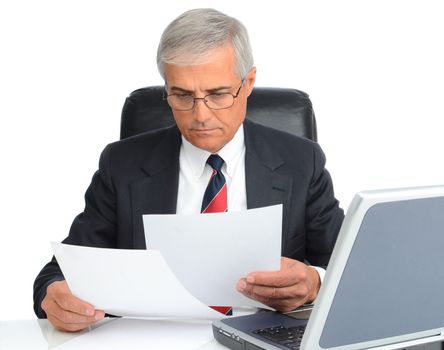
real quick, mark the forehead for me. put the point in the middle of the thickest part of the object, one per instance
(216, 69)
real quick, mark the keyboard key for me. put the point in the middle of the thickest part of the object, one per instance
(290, 337)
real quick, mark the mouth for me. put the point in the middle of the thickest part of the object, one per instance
(204, 131)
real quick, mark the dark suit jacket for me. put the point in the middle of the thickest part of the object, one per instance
(140, 175)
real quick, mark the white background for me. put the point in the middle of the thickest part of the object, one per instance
(374, 71)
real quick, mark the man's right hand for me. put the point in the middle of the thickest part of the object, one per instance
(65, 311)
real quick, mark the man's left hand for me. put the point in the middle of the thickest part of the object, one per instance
(292, 286)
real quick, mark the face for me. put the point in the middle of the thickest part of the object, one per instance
(206, 128)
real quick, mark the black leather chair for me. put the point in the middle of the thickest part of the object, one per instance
(289, 110)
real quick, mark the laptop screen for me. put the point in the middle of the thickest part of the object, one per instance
(396, 258)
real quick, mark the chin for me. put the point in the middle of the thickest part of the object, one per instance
(212, 148)
(206, 144)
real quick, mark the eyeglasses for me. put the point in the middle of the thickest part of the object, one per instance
(186, 102)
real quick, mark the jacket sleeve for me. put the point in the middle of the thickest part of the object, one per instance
(94, 227)
(323, 215)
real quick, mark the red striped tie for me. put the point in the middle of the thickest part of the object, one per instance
(215, 197)
(215, 201)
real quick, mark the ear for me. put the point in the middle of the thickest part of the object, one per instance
(250, 80)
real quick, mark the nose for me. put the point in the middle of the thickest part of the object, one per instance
(200, 111)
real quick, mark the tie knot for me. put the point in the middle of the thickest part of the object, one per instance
(215, 161)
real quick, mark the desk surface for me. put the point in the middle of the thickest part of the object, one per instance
(41, 335)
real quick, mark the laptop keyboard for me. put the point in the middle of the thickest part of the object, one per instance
(289, 337)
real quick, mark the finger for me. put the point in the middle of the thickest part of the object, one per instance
(57, 303)
(292, 292)
(68, 327)
(75, 306)
(296, 292)
(282, 278)
(280, 304)
(60, 293)
(272, 278)
(53, 309)
(69, 317)
(291, 272)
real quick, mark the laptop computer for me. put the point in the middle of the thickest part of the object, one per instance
(383, 289)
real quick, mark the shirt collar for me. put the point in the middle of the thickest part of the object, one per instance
(230, 153)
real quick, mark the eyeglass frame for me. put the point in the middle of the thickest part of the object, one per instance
(165, 96)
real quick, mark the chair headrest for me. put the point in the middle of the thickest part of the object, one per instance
(284, 109)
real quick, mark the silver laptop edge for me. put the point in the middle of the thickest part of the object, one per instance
(350, 228)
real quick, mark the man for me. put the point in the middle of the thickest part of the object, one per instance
(206, 61)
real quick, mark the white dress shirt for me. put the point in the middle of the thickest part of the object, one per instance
(195, 174)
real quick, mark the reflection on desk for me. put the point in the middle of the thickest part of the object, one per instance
(110, 334)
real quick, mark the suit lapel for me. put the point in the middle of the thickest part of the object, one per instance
(157, 192)
(264, 185)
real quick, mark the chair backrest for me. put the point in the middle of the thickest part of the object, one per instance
(289, 110)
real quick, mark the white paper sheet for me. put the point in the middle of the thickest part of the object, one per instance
(143, 334)
(209, 253)
(127, 282)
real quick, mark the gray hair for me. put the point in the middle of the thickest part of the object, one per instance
(196, 33)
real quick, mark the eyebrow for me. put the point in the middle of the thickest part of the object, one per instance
(213, 90)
